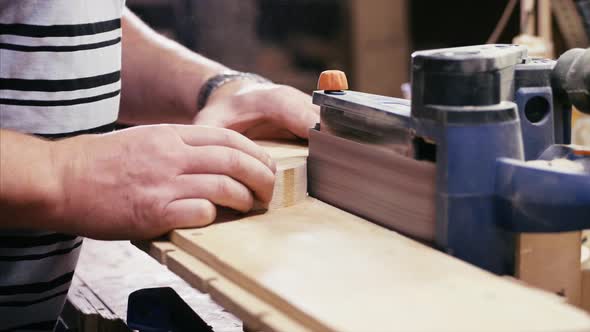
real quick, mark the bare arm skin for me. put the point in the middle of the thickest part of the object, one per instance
(132, 184)
(142, 182)
(161, 81)
(29, 187)
(161, 78)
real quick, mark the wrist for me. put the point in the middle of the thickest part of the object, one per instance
(225, 82)
(65, 157)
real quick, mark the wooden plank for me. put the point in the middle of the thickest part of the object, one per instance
(255, 313)
(551, 262)
(160, 249)
(332, 271)
(111, 270)
(279, 150)
(86, 312)
(312, 266)
(585, 297)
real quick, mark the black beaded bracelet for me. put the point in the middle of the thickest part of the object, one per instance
(220, 80)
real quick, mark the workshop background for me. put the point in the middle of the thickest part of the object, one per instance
(291, 42)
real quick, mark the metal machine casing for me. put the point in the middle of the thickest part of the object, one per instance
(483, 110)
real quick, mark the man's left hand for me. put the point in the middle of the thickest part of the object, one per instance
(260, 111)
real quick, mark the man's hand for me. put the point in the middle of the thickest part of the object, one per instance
(145, 181)
(260, 111)
(162, 80)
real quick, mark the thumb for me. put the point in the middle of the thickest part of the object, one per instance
(190, 213)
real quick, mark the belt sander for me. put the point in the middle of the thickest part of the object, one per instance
(479, 155)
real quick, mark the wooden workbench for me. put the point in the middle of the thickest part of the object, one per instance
(108, 271)
(312, 267)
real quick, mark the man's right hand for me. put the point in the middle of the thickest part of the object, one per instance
(144, 181)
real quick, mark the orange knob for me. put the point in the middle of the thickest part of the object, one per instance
(333, 80)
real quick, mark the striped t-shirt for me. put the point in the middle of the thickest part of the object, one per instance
(60, 63)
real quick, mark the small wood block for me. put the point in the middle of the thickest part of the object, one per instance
(580, 128)
(586, 286)
(290, 183)
(291, 177)
(551, 262)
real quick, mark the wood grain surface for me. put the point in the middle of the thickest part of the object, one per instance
(111, 270)
(332, 271)
(311, 266)
(551, 262)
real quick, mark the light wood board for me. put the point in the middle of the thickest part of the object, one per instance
(311, 266)
(332, 271)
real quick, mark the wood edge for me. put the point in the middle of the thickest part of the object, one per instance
(533, 277)
(585, 296)
(254, 312)
(160, 249)
(237, 278)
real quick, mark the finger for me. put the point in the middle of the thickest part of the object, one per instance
(305, 120)
(233, 163)
(187, 213)
(203, 136)
(299, 114)
(221, 190)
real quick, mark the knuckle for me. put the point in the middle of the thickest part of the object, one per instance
(223, 186)
(146, 208)
(234, 161)
(230, 137)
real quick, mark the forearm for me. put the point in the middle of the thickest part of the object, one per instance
(161, 78)
(29, 183)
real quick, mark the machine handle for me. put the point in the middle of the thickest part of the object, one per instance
(536, 199)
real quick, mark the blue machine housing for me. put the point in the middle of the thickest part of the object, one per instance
(488, 109)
